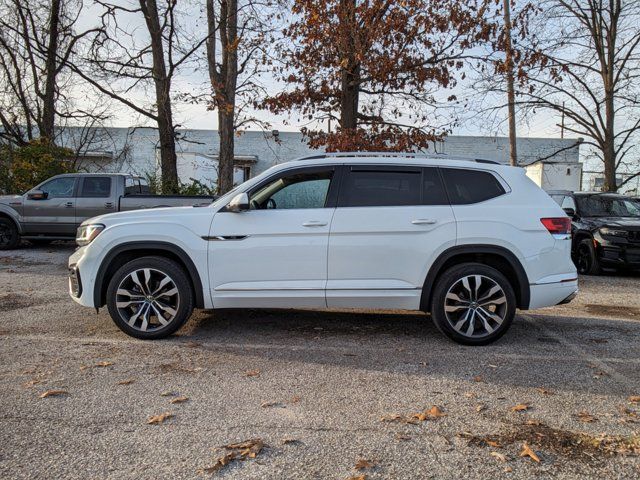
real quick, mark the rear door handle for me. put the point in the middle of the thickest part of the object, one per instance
(314, 223)
(424, 221)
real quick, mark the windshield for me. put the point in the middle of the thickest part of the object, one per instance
(603, 206)
(243, 187)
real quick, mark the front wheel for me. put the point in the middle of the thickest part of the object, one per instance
(473, 304)
(9, 235)
(586, 260)
(150, 297)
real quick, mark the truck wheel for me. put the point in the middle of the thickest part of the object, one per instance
(150, 297)
(473, 304)
(587, 261)
(9, 235)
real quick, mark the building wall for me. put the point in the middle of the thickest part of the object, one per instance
(135, 150)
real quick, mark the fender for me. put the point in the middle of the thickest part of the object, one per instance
(192, 271)
(6, 210)
(523, 292)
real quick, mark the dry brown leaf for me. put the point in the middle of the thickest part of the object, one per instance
(252, 373)
(494, 444)
(634, 398)
(179, 400)
(53, 393)
(363, 464)
(481, 408)
(220, 462)
(296, 399)
(586, 417)
(535, 423)
(499, 456)
(527, 452)
(158, 419)
(521, 407)
(396, 417)
(168, 393)
(287, 441)
(358, 477)
(544, 391)
(104, 364)
(470, 395)
(478, 378)
(402, 437)
(129, 381)
(508, 469)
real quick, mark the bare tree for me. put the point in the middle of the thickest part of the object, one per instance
(121, 63)
(37, 38)
(239, 34)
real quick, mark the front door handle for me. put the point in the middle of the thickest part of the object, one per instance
(424, 221)
(314, 223)
(68, 205)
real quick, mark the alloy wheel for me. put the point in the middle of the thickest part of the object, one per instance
(584, 259)
(6, 234)
(147, 299)
(475, 306)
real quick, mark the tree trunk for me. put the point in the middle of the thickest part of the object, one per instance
(511, 98)
(609, 153)
(162, 82)
(49, 96)
(350, 73)
(226, 156)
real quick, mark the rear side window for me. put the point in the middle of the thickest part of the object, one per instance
(97, 187)
(378, 188)
(470, 186)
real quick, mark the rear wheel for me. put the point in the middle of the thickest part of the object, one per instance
(473, 304)
(9, 235)
(150, 297)
(587, 261)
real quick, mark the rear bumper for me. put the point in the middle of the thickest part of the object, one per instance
(550, 294)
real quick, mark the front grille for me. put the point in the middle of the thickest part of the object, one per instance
(75, 286)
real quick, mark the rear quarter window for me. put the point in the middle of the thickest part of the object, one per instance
(471, 186)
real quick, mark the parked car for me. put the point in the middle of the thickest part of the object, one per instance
(605, 228)
(468, 241)
(54, 209)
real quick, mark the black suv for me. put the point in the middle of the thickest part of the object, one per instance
(605, 229)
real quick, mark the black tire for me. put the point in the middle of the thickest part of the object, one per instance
(182, 302)
(9, 234)
(487, 329)
(586, 259)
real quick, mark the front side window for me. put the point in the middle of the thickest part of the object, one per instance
(604, 206)
(96, 187)
(381, 188)
(297, 190)
(59, 187)
(470, 186)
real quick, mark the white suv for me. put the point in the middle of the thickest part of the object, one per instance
(469, 241)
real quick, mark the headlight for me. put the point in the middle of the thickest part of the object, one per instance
(87, 233)
(613, 232)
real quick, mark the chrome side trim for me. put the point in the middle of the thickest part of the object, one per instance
(224, 237)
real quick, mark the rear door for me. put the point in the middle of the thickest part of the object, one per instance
(95, 197)
(54, 215)
(389, 226)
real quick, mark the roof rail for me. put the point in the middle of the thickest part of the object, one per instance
(393, 155)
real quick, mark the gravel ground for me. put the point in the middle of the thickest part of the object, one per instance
(314, 387)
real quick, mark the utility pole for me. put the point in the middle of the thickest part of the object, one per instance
(513, 155)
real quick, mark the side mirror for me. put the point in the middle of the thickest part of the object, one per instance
(570, 212)
(239, 203)
(37, 195)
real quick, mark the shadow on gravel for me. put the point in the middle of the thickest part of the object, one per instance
(529, 355)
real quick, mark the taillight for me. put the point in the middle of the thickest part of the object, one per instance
(557, 225)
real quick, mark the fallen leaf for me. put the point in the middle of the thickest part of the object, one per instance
(478, 378)
(252, 373)
(179, 400)
(634, 398)
(481, 408)
(499, 456)
(396, 417)
(527, 452)
(363, 464)
(287, 441)
(104, 364)
(53, 393)
(158, 419)
(470, 395)
(168, 393)
(31, 383)
(521, 407)
(358, 477)
(544, 391)
(296, 399)
(535, 423)
(402, 437)
(126, 382)
(432, 413)
(494, 444)
(508, 469)
(585, 417)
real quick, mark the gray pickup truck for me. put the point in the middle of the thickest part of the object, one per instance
(54, 209)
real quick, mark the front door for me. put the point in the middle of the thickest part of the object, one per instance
(389, 226)
(54, 215)
(95, 197)
(275, 254)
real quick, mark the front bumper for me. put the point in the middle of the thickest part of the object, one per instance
(81, 277)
